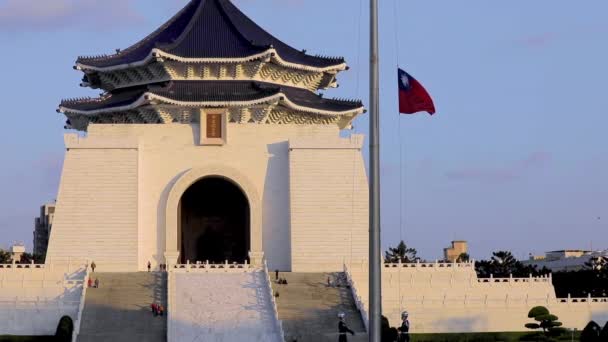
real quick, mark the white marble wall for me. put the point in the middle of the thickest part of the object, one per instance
(450, 298)
(329, 204)
(116, 181)
(33, 300)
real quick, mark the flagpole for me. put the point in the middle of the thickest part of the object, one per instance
(375, 288)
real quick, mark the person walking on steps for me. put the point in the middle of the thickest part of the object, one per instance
(404, 329)
(343, 328)
(93, 266)
(149, 266)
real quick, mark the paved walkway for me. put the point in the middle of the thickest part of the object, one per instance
(119, 310)
(309, 308)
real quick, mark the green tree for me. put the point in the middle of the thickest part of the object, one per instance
(5, 257)
(401, 253)
(26, 258)
(463, 257)
(39, 258)
(546, 321)
(503, 264)
(599, 266)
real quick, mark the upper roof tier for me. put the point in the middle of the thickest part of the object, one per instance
(212, 94)
(210, 31)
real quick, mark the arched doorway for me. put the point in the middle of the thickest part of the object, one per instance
(214, 222)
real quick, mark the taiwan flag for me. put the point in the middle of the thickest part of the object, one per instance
(413, 97)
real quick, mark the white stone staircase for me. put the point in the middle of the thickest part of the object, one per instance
(119, 310)
(309, 308)
(221, 305)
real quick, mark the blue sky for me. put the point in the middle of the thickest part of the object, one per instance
(516, 157)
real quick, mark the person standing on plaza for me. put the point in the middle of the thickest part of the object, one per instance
(404, 329)
(149, 266)
(343, 328)
(96, 283)
(90, 282)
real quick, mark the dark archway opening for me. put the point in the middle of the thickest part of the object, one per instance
(214, 222)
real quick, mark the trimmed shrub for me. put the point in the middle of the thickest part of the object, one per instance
(64, 331)
(604, 333)
(388, 334)
(591, 333)
(544, 320)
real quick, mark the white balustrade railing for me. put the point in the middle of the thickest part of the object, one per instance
(278, 322)
(22, 266)
(512, 280)
(39, 303)
(81, 306)
(583, 300)
(211, 267)
(425, 265)
(359, 303)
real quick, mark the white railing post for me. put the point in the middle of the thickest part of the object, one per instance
(278, 322)
(81, 304)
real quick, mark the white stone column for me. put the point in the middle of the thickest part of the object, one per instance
(257, 258)
(171, 258)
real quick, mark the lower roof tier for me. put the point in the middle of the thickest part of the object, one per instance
(178, 101)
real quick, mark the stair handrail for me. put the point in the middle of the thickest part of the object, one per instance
(278, 322)
(358, 300)
(81, 305)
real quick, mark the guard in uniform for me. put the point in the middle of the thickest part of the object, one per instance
(343, 328)
(404, 329)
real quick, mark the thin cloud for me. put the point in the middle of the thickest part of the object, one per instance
(544, 39)
(504, 174)
(42, 15)
(282, 2)
(540, 40)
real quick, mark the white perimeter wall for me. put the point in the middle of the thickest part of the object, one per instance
(32, 301)
(451, 298)
(115, 183)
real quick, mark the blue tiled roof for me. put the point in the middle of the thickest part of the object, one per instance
(209, 29)
(213, 91)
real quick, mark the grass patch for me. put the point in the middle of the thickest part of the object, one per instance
(489, 337)
(7, 338)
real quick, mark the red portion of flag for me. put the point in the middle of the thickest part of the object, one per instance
(413, 97)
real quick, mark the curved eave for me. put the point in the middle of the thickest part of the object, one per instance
(270, 54)
(148, 98)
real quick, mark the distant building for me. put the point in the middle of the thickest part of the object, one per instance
(42, 228)
(17, 251)
(564, 260)
(452, 253)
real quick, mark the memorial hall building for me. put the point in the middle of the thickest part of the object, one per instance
(213, 151)
(211, 142)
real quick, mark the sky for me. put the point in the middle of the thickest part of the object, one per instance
(516, 157)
